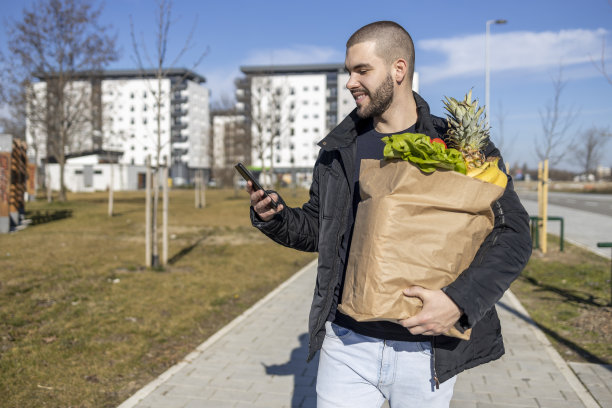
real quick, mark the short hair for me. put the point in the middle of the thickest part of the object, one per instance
(392, 42)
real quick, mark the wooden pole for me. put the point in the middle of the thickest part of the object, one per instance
(544, 207)
(148, 214)
(164, 259)
(196, 181)
(111, 190)
(202, 190)
(154, 229)
(540, 205)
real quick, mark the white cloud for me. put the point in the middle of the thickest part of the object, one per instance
(221, 82)
(520, 50)
(298, 54)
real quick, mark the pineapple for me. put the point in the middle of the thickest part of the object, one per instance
(468, 132)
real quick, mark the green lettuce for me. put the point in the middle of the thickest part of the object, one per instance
(418, 149)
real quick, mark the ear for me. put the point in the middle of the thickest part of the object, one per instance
(400, 68)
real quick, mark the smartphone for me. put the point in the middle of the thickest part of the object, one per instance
(248, 176)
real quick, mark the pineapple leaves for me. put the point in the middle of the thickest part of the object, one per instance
(418, 149)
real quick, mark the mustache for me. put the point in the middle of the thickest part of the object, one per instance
(360, 90)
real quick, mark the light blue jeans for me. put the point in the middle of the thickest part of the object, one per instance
(357, 371)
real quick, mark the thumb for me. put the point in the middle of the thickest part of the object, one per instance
(415, 291)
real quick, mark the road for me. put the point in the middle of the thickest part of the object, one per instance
(587, 217)
(595, 203)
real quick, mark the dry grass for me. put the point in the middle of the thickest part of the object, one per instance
(83, 323)
(568, 295)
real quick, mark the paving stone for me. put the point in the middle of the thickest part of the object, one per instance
(260, 362)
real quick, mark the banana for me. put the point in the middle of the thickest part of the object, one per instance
(490, 173)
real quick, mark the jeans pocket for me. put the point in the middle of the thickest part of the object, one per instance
(425, 347)
(336, 332)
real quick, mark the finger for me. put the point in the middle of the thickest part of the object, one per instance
(256, 197)
(416, 291)
(249, 187)
(411, 322)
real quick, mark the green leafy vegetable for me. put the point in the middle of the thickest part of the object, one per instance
(418, 149)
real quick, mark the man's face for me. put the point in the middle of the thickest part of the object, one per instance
(370, 80)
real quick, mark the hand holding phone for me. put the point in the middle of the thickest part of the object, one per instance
(248, 176)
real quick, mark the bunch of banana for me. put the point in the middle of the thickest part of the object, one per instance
(490, 173)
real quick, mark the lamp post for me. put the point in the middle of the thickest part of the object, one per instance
(487, 68)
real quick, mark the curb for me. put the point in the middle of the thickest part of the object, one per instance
(150, 387)
(579, 388)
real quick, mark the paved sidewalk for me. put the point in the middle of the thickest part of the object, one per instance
(258, 360)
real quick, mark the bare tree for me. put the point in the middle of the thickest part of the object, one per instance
(162, 66)
(589, 149)
(271, 115)
(555, 120)
(601, 64)
(57, 47)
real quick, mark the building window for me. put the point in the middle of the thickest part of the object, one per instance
(144, 108)
(316, 88)
(132, 108)
(131, 95)
(144, 94)
(305, 89)
(132, 147)
(97, 171)
(144, 121)
(131, 121)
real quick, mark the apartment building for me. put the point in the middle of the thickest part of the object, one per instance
(137, 115)
(289, 109)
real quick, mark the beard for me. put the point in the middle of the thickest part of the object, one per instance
(380, 100)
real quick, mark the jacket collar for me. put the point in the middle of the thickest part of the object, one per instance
(345, 133)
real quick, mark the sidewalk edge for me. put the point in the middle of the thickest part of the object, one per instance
(564, 368)
(150, 387)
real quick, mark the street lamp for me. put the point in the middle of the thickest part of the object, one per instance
(487, 68)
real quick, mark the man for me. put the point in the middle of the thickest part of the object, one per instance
(410, 364)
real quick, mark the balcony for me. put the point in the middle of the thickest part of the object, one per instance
(179, 152)
(179, 99)
(178, 126)
(179, 112)
(179, 138)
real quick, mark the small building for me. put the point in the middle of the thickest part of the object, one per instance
(96, 171)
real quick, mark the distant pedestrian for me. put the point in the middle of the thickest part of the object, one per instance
(411, 364)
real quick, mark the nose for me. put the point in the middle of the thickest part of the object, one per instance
(352, 82)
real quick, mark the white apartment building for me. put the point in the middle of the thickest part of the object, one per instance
(295, 106)
(122, 111)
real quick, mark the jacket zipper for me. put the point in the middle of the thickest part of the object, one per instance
(335, 266)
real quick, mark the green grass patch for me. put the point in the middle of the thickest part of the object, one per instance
(84, 323)
(568, 295)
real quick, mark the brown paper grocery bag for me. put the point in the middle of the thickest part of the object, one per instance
(412, 228)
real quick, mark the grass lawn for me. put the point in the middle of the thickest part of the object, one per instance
(568, 295)
(83, 323)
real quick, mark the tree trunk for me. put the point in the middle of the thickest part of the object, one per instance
(164, 259)
(110, 191)
(148, 215)
(155, 212)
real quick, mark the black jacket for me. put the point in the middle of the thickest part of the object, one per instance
(320, 223)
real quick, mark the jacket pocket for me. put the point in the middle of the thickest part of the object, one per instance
(329, 191)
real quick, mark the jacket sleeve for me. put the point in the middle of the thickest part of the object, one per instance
(500, 259)
(296, 228)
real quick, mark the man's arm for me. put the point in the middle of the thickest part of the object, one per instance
(296, 228)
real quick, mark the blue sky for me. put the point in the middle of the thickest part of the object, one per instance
(540, 38)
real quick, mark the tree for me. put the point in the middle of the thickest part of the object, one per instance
(159, 62)
(271, 114)
(556, 120)
(589, 151)
(58, 47)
